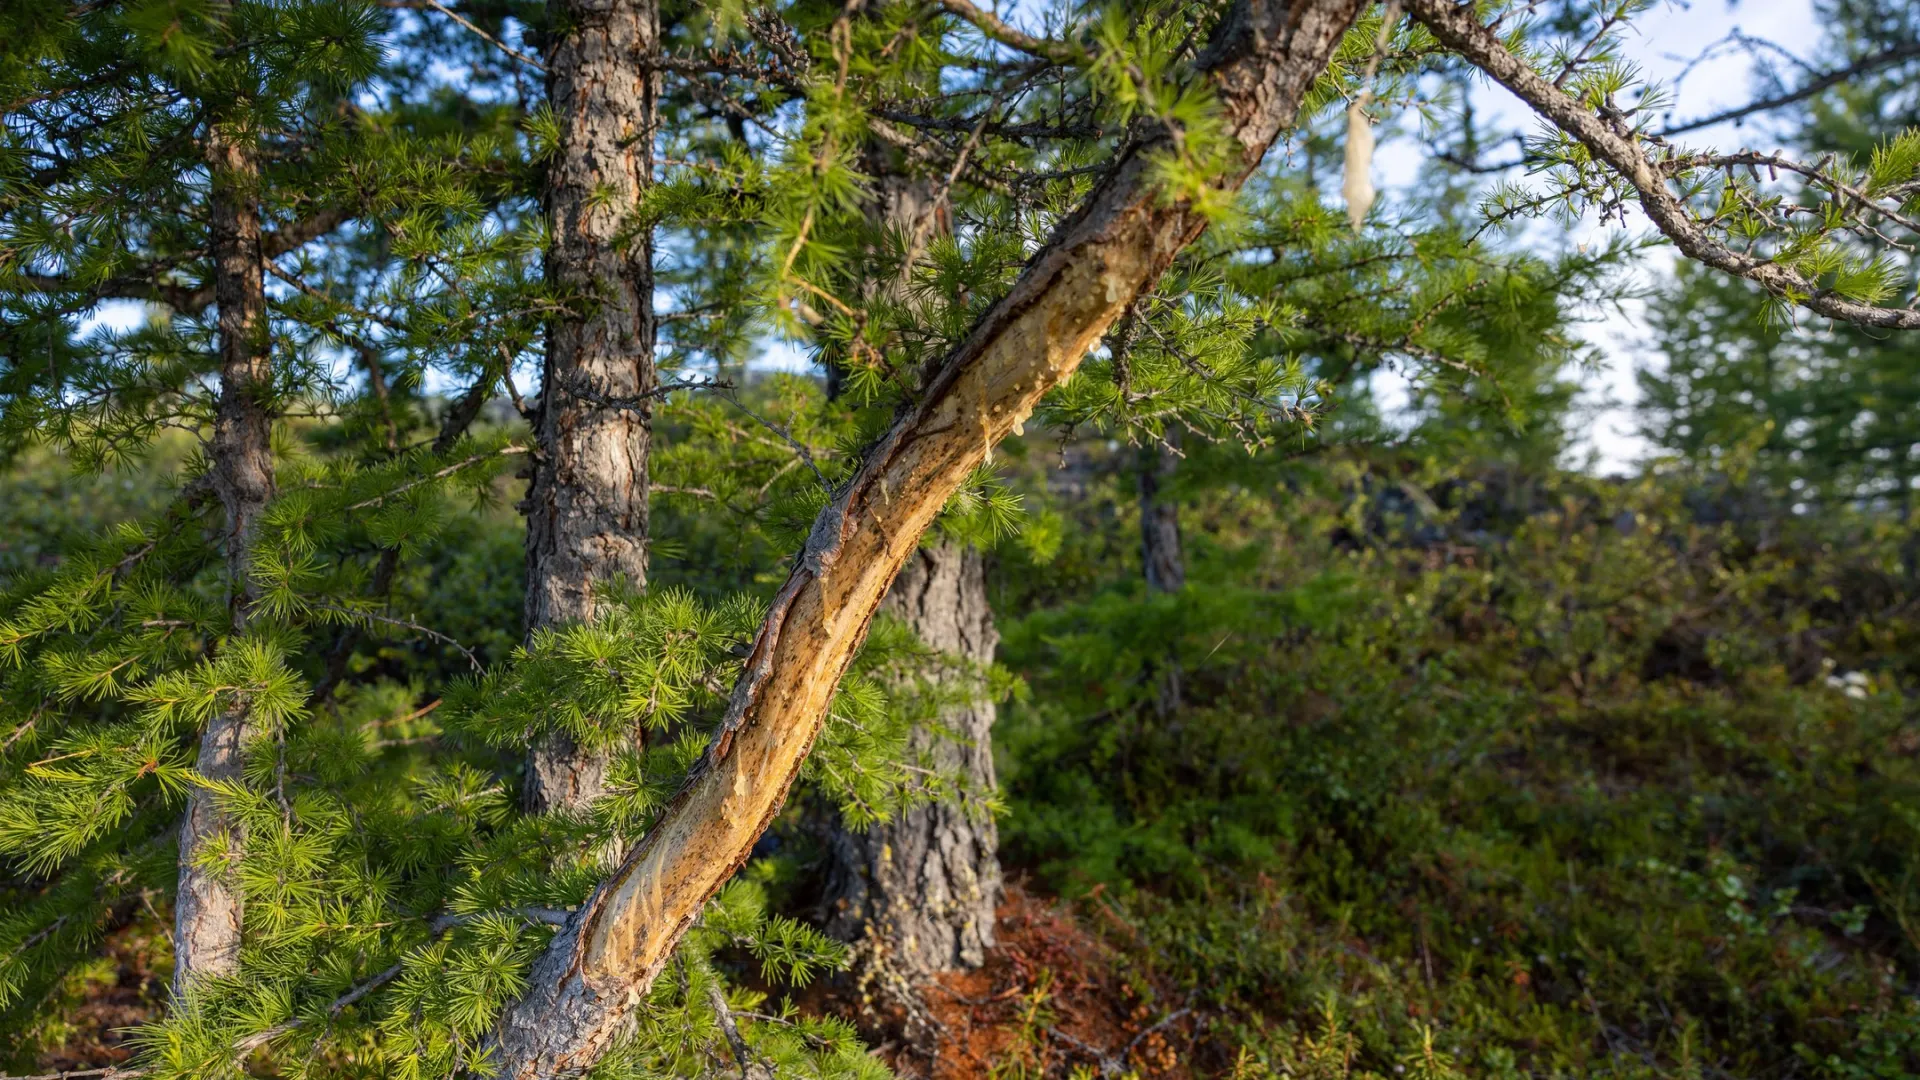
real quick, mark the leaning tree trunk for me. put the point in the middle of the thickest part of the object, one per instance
(587, 506)
(917, 893)
(208, 908)
(582, 990)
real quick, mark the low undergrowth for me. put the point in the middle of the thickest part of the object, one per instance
(1605, 789)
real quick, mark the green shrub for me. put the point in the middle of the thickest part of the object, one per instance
(1594, 788)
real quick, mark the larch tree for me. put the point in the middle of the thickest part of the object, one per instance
(1259, 65)
(140, 162)
(916, 893)
(208, 912)
(587, 505)
(1818, 413)
(390, 909)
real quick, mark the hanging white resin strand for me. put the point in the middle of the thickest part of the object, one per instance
(1357, 186)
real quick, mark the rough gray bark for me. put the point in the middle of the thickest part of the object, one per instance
(207, 907)
(587, 505)
(582, 990)
(918, 893)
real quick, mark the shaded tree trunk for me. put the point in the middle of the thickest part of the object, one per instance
(587, 505)
(207, 909)
(1160, 554)
(918, 893)
(582, 990)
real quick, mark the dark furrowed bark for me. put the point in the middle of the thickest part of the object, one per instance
(1160, 554)
(587, 506)
(595, 972)
(208, 909)
(918, 892)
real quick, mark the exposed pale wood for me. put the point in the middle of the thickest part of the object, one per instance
(917, 894)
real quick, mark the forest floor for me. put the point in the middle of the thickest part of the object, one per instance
(121, 990)
(1051, 998)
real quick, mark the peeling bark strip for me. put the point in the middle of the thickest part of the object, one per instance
(207, 909)
(587, 506)
(1264, 58)
(921, 889)
(1459, 29)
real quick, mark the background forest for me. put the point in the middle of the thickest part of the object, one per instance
(1275, 730)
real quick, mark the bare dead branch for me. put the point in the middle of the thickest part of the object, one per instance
(1459, 29)
(1885, 59)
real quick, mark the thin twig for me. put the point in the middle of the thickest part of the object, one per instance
(486, 37)
(1888, 58)
(741, 1056)
(437, 475)
(797, 446)
(405, 624)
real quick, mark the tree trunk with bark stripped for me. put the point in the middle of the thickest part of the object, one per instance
(583, 988)
(207, 908)
(587, 505)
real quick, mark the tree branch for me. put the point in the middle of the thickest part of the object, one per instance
(1013, 37)
(436, 475)
(1459, 29)
(484, 36)
(143, 283)
(1888, 58)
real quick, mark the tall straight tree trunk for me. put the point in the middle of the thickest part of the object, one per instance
(208, 909)
(587, 505)
(582, 990)
(917, 894)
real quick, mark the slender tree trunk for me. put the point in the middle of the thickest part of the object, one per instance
(208, 909)
(1160, 554)
(584, 987)
(918, 893)
(587, 506)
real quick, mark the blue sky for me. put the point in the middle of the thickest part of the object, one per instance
(1662, 41)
